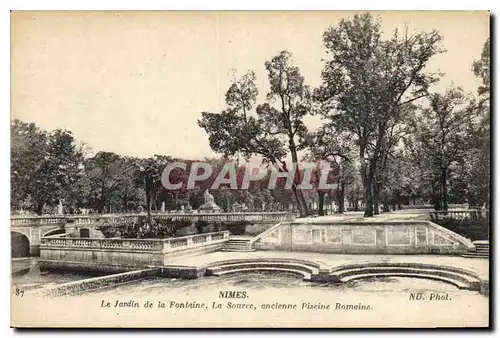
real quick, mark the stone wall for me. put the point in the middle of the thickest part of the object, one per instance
(399, 237)
(95, 283)
(115, 255)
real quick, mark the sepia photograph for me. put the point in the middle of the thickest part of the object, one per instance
(250, 169)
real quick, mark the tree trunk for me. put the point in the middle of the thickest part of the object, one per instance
(368, 199)
(148, 202)
(301, 203)
(436, 197)
(321, 203)
(101, 205)
(368, 189)
(444, 192)
(376, 209)
(299, 197)
(385, 203)
(39, 208)
(341, 197)
(148, 185)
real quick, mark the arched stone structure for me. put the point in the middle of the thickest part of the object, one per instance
(55, 231)
(34, 235)
(20, 244)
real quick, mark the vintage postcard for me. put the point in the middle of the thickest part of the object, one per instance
(205, 169)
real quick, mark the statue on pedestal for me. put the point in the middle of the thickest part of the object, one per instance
(60, 208)
(209, 204)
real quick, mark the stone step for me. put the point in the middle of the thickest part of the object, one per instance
(238, 250)
(460, 285)
(475, 255)
(486, 242)
(464, 278)
(305, 275)
(264, 264)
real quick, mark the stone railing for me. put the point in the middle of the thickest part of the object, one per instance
(25, 221)
(95, 220)
(149, 245)
(172, 244)
(459, 214)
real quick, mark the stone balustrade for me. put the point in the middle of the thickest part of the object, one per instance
(20, 221)
(123, 254)
(459, 214)
(153, 245)
(95, 220)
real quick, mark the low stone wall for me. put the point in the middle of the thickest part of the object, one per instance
(112, 255)
(96, 283)
(398, 237)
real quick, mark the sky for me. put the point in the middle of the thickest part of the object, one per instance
(135, 83)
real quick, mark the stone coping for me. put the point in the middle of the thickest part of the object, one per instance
(357, 222)
(136, 239)
(96, 282)
(166, 214)
(485, 242)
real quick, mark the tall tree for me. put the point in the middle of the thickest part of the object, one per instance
(482, 69)
(479, 177)
(106, 173)
(367, 81)
(276, 131)
(332, 146)
(149, 171)
(45, 167)
(443, 137)
(66, 167)
(292, 97)
(29, 151)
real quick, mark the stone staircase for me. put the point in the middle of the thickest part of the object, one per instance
(272, 265)
(481, 250)
(239, 244)
(462, 279)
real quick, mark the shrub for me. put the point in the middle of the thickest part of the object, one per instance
(129, 228)
(201, 226)
(236, 228)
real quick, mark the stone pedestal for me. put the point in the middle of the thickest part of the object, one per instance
(209, 207)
